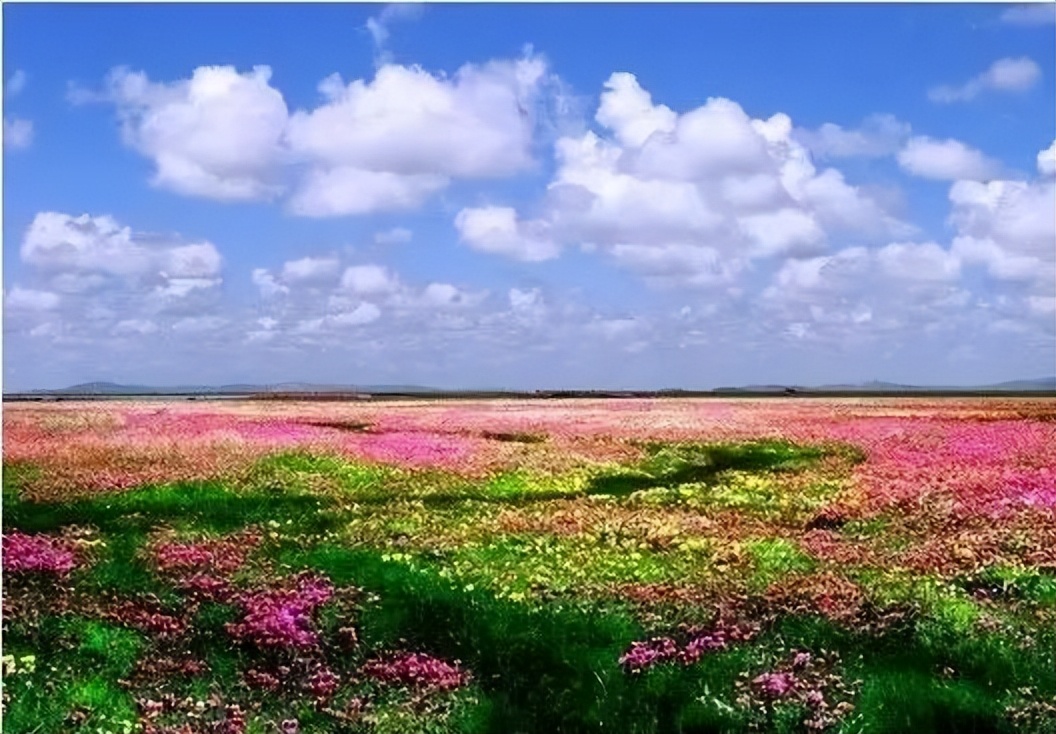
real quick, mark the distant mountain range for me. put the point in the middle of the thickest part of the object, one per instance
(103, 389)
(1041, 384)
(110, 388)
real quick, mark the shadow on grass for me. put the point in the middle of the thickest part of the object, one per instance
(202, 505)
(672, 465)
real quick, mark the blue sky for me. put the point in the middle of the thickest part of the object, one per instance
(528, 196)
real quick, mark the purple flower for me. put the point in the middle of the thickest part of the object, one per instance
(701, 644)
(801, 660)
(416, 670)
(775, 685)
(23, 553)
(282, 617)
(643, 655)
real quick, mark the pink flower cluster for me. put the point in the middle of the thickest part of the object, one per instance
(644, 655)
(282, 618)
(222, 556)
(774, 686)
(42, 553)
(145, 618)
(415, 670)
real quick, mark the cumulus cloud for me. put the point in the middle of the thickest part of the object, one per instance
(311, 270)
(369, 280)
(27, 299)
(92, 273)
(135, 326)
(364, 313)
(1009, 226)
(371, 145)
(18, 133)
(346, 190)
(391, 142)
(267, 283)
(686, 198)
(878, 136)
(926, 262)
(498, 230)
(216, 135)
(946, 160)
(1004, 75)
(85, 244)
(196, 324)
(1047, 161)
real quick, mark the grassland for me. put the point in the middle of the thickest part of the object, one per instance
(562, 566)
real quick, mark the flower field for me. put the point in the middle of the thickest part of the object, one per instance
(675, 565)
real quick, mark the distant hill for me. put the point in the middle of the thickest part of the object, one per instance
(1044, 385)
(110, 388)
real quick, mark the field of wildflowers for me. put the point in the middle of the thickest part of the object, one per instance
(786, 565)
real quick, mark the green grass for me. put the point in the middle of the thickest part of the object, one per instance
(524, 611)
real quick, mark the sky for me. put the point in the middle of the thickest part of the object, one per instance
(528, 196)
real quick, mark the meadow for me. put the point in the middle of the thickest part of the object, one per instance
(627, 566)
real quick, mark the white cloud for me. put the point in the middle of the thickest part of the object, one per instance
(176, 288)
(1001, 263)
(1047, 161)
(15, 83)
(389, 143)
(135, 326)
(364, 313)
(348, 190)
(383, 144)
(1030, 15)
(785, 231)
(216, 135)
(879, 135)
(946, 160)
(394, 236)
(628, 111)
(678, 263)
(620, 328)
(1004, 75)
(1043, 305)
(700, 192)
(369, 280)
(267, 284)
(446, 295)
(194, 324)
(311, 270)
(378, 25)
(27, 299)
(86, 244)
(926, 262)
(497, 230)
(200, 260)
(18, 133)
(524, 300)
(1008, 226)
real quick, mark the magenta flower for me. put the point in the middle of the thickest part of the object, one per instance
(415, 670)
(775, 685)
(282, 617)
(26, 553)
(644, 655)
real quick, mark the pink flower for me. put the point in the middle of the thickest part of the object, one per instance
(282, 617)
(25, 553)
(775, 685)
(416, 670)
